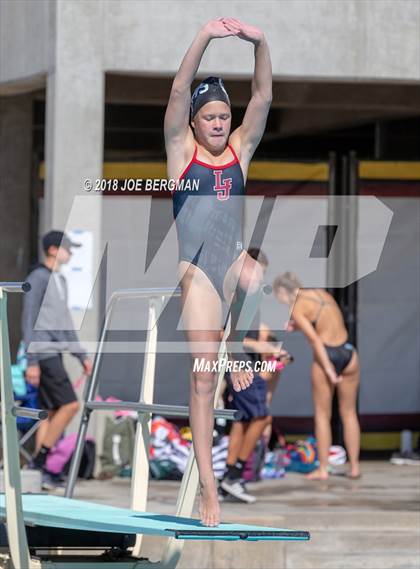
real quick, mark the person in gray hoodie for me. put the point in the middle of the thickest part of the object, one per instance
(47, 329)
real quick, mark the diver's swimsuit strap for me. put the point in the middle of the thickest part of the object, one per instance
(233, 152)
(319, 301)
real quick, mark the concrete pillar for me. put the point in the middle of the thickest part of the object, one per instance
(74, 122)
(15, 198)
(74, 135)
(75, 106)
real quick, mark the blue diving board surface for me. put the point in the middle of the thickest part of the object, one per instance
(68, 513)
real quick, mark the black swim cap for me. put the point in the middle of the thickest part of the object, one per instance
(211, 89)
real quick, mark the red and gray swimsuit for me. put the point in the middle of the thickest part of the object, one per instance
(209, 221)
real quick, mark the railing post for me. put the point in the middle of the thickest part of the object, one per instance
(90, 391)
(140, 473)
(18, 543)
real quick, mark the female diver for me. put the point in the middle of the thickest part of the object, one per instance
(213, 265)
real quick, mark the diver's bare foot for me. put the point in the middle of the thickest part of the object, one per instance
(317, 474)
(209, 508)
(241, 379)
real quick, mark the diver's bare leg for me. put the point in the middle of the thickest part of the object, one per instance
(322, 392)
(347, 401)
(202, 315)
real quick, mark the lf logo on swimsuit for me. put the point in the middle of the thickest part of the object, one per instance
(222, 188)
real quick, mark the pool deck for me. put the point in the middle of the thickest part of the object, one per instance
(371, 523)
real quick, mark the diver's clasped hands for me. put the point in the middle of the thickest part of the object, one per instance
(225, 27)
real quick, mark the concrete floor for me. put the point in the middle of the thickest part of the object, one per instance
(371, 523)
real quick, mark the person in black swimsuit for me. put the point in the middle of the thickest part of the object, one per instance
(335, 366)
(341, 355)
(213, 265)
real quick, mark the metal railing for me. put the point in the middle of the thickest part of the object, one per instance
(18, 543)
(145, 407)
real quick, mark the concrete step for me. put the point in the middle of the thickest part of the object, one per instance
(371, 523)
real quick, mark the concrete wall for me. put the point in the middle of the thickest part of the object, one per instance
(74, 122)
(26, 29)
(326, 39)
(388, 318)
(68, 45)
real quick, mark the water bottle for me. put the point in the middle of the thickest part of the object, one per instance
(21, 359)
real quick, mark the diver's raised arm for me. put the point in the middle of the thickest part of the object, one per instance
(177, 112)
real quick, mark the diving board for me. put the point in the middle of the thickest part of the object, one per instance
(66, 524)
(69, 513)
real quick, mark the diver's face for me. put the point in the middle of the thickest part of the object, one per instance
(212, 125)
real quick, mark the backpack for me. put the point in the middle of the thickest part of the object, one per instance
(118, 446)
(59, 457)
(87, 462)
